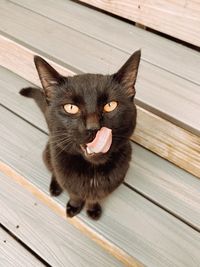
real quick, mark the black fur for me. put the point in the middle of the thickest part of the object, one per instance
(87, 179)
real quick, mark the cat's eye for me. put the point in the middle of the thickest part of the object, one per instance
(110, 106)
(70, 108)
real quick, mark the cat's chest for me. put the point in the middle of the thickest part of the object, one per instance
(96, 183)
(87, 180)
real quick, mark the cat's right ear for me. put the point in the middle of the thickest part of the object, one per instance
(49, 77)
(127, 74)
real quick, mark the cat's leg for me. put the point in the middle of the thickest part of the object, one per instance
(47, 158)
(74, 205)
(94, 210)
(54, 188)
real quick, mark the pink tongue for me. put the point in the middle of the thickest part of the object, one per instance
(101, 142)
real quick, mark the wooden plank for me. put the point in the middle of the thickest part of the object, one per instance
(180, 19)
(155, 178)
(55, 240)
(168, 141)
(164, 138)
(99, 57)
(13, 254)
(173, 57)
(153, 237)
(172, 188)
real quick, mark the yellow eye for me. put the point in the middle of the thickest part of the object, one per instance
(70, 108)
(110, 106)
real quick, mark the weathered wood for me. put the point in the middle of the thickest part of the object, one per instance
(173, 143)
(130, 223)
(153, 132)
(95, 56)
(47, 234)
(170, 187)
(14, 254)
(156, 178)
(173, 57)
(58, 208)
(177, 18)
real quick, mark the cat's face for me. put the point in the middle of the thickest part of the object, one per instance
(90, 114)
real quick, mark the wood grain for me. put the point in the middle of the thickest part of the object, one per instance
(180, 19)
(13, 254)
(95, 56)
(159, 135)
(173, 57)
(53, 239)
(143, 231)
(58, 207)
(173, 143)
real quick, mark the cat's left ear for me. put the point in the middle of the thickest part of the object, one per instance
(127, 74)
(49, 77)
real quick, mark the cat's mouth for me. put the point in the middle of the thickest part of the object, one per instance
(101, 143)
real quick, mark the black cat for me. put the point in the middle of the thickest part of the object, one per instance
(90, 118)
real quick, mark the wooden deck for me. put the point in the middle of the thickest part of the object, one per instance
(153, 219)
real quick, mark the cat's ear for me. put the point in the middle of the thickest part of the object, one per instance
(49, 77)
(127, 74)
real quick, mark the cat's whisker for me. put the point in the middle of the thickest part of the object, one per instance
(59, 131)
(62, 149)
(59, 142)
(58, 136)
(62, 131)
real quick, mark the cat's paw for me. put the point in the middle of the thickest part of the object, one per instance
(54, 189)
(72, 211)
(94, 211)
(25, 92)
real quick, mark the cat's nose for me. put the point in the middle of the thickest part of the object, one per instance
(92, 123)
(92, 126)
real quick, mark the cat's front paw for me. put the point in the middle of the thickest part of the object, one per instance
(94, 211)
(54, 189)
(73, 210)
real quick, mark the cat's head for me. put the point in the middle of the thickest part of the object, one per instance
(90, 114)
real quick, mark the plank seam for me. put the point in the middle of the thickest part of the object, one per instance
(22, 118)
(18, 240)
(117, 252)
(162, 207)
(106, 43)
(35, 51)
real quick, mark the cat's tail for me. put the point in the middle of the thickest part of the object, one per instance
(37, 95)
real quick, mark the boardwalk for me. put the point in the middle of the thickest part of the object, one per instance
(153, 219)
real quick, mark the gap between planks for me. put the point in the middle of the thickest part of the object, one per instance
(20, 245)
(162, 137)
(13, 253)
(68, 13)
(117, 252)
(177, 19)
